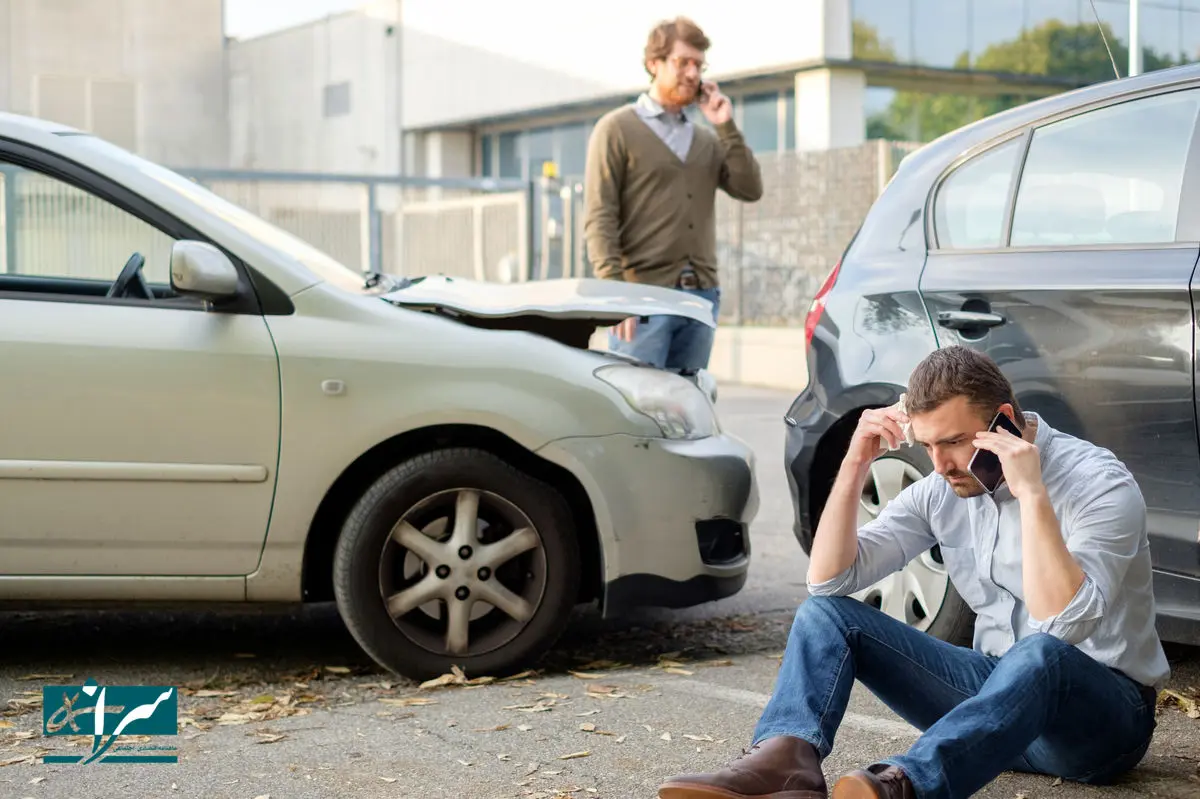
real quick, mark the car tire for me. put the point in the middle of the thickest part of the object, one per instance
(409, 580)
(920, 594)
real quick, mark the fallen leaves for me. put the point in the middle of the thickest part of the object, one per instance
(606, 692)
(541, 706)
(1190, 705)
(455, 677)
(408, 701)
(265, 707)
(574, 756)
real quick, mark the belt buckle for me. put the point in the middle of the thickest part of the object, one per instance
(688, 280)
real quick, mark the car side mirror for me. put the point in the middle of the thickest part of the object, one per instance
(200, 269)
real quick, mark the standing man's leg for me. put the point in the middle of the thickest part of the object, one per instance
(649, 340)
(692, 344)
(832, 642)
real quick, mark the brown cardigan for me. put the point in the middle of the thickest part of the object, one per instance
(648, 213)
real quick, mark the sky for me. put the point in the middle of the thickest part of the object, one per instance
(245, 18)
(747, 34)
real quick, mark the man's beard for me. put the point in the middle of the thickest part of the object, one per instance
(680, 94)
(969, 487)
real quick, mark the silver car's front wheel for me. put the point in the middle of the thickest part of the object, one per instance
(455, 558)
(920, 594)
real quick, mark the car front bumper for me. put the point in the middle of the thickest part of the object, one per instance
(673, 517)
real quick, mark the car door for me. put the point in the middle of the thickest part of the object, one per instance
(138, 437)
(1067, 254)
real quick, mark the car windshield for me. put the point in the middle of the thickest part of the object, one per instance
(323, 265)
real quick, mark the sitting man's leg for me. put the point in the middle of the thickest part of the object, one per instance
(832, 642)
(1047, 707)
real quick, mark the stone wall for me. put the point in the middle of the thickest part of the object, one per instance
(775, 253)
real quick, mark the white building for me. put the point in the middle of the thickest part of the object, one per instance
(146, 74)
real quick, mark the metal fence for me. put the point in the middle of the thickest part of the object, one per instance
(404, 226)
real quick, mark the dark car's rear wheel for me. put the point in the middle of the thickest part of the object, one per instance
(455, 558)
(921, 594)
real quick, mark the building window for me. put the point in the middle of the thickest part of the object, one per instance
(486, 160)
(510, 155)
(789, 120)
(760, 122)
(337, 99)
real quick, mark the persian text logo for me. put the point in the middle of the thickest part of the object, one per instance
(107, 713)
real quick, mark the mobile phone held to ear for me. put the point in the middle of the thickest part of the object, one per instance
(985, 465)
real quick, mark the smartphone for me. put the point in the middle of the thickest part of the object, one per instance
(702, 93)
(985, 465)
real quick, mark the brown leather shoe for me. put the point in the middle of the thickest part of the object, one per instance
(878, 781)
(777, 768)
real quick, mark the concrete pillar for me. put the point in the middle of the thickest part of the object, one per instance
(830, 108)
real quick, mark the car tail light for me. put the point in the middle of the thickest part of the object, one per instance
(818, 305)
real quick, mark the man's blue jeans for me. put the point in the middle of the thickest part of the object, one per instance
(672, 342)
(1044, 707)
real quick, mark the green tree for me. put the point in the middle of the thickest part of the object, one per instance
(1075, 53)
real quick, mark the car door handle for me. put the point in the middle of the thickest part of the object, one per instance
(965, 320)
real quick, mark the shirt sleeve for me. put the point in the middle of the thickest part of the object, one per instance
(1105, 535)
(900, 533)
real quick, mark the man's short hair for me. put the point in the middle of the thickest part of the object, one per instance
(663, 36)
(959, 371)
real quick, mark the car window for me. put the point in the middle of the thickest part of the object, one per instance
(968, 211)
(1110, 176)
(52, 229)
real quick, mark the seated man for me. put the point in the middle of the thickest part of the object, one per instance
(1066, 661)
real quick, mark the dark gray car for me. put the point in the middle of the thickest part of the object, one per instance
(1061, 238)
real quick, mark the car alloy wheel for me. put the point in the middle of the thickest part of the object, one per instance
(470, 564)
(915, 594)
(456, 558)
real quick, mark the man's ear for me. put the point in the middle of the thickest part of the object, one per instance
(1007, 410)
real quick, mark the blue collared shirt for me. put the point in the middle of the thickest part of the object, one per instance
(1103, 519)
(676, 130)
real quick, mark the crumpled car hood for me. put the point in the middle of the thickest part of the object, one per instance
(566, 309)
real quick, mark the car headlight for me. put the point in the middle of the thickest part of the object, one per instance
(676, 404)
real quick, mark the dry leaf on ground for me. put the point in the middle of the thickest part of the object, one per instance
(1189, 705)
(408, 701)
(573, 756)
(455, 677)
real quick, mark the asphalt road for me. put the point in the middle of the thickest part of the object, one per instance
(282, 704)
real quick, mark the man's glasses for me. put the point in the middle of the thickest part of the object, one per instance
(681, 63)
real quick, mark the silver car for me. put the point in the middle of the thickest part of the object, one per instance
(199, 407)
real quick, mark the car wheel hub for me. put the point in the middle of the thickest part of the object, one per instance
(462, 572)
(916, 593)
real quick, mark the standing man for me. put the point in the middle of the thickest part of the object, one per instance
(651, 183)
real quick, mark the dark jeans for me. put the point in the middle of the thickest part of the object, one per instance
(1044, 707)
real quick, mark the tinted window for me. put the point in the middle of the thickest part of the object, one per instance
(1110, 176)
(969, 208)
